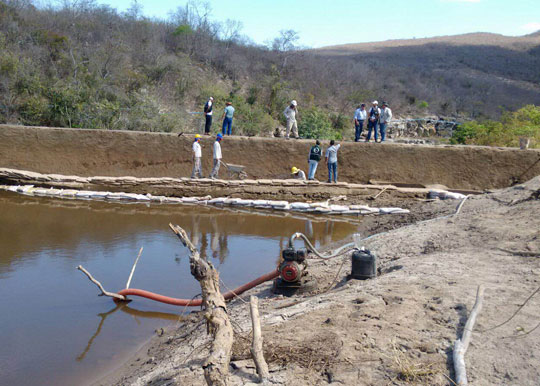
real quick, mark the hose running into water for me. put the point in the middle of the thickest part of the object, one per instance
(197, 302)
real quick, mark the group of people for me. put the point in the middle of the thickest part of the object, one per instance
(315, 156)
(377, 120)
(227, 117)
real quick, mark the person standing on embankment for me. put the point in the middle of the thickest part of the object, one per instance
(290, 114)
(208, 107)
(384, 119)
(360, 116)
(217, 156)
(315, 154)
(331, 160)
(227, 117)
(373, 120)
(197, 155)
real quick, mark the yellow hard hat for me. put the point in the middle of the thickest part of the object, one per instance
(197, 136)
(294, 170)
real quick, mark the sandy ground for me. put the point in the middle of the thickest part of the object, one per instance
(398, 328)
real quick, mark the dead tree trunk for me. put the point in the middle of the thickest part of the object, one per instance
(216, 366)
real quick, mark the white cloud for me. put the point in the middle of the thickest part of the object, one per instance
(531, 27)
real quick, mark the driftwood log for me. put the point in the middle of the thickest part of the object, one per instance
(461, 345)
(113, 295)
(257, 344)
(216, 366)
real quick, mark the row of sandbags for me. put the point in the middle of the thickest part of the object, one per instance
(316, 207)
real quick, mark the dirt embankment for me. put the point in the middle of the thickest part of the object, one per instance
(119, 153)
(399, 327)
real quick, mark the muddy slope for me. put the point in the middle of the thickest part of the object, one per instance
(399, 327)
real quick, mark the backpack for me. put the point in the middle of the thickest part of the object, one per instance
(315, 153)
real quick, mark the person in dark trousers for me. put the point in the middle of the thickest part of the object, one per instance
(315, 154)
(360, 116)
(208, 115)
(227, 119)
(331, 160)
(373, 120)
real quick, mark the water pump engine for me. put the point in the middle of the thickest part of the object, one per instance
(291, 270)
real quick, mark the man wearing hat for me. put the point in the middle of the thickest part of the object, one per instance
(373, 119)
(197, 154)
(385, 117)
(298, 174)
(217, 156)
(208, 115)
(290, 114)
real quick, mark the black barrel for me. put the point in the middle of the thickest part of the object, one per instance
(364, 265)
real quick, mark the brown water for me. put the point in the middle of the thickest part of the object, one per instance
(56, 331)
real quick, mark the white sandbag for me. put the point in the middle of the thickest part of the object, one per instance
(359, 207)
(190, 200)
(276, 204)
(242, 202)
(217, 201)
(13, 188)
(300, 205)
(172, 200)
(392, 210)
(319, 204)
(338, 208)
(279, 207)
(261, 203)
(322, 209)
(455, 196)
(24, 188)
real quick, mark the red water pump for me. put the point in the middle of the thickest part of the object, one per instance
(292, 269)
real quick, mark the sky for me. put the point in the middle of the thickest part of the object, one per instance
(329, 22)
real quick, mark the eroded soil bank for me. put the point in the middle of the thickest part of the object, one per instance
(123, 153)
(399, 327)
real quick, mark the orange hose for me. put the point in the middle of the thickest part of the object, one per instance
(198, 302)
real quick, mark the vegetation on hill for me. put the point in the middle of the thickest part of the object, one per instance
(523, 123)
(87, 65)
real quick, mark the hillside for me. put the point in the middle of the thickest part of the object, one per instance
(86, 65)
(471, 74)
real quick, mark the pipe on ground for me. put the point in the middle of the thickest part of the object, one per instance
(197, 302)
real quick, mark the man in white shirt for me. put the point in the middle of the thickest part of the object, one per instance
(298, 174)
(290, 114)
(360, 116)
(331, 160)
(197, 154)
(217, 156)
(384, 119)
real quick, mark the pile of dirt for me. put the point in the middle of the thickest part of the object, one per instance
(398, 328)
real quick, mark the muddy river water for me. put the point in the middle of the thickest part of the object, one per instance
(55, 330)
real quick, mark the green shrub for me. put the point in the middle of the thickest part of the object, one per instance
(315, 123)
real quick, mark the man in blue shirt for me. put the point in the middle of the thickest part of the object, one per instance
(360, 116)
(227, 117)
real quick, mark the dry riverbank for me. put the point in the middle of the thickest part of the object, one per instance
(399, 327)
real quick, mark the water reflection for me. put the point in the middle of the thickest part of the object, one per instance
(130, 311)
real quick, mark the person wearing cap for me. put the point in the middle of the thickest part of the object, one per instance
(227, 119)
(217, 156)
(331, 160)
(290, 114)
(315, 154)
(360, 116)
(197, 154)
(385, 117)
(373, 120)
(298, 174)
(208, 115)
